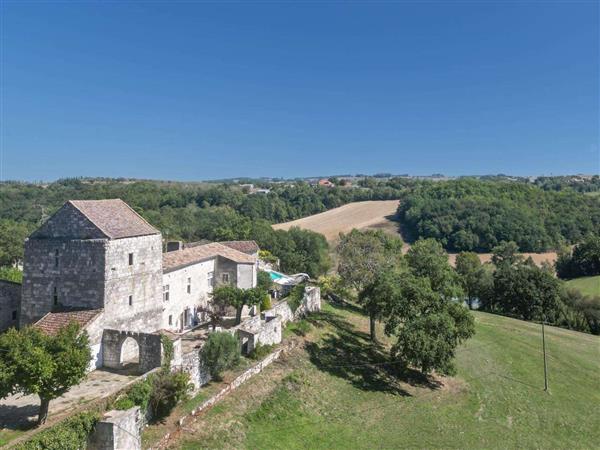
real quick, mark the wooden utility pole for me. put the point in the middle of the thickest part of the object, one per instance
(545, 366)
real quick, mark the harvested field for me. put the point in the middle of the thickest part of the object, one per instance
(370, 214)
(538, 258)
(377, 215)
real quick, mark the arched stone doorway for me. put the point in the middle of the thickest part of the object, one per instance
(130, 354)
(120, 348)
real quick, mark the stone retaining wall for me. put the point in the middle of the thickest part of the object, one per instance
(237, 382)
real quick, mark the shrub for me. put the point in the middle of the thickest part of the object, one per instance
(167, 348)
(301, 328)
(260, 351)
(140, 394)
(71, 434)
(123, 403)
(263, 280)
(295, 298)
(221, 352)
(168, 389)
(137, 395)
(265, 303)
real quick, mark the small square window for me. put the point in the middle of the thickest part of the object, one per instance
(131, 259)
(130, 300)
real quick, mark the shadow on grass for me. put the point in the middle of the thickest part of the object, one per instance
(349, 354)
(20, 418)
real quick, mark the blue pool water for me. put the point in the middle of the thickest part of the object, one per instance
(276, 275)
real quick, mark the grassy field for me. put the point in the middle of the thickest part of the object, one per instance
(587, 285)
(337, 391)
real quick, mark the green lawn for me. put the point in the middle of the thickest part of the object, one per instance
(323, 396)
(587, 285)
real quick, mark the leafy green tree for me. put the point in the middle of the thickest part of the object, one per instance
(429, 341)
(427, 258)
(11, 274)
(527, 291)
(221, 352)
(506, 253)
(263, 280)
(225, 295)
(427, 327)
(362, 256)
(582, 261)
(12, 236)
(333, 287)
(168, 389)
(48, 366)
(475, 279)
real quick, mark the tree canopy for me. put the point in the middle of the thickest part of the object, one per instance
(582, 261)
(476, 215)
(35, 363)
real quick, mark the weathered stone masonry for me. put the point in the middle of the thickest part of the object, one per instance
(101, 257)
(10, 299)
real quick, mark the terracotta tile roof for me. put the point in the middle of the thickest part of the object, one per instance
(54, 321)
(115, 218)
(185, 257)
(242, 246)
(196, 244)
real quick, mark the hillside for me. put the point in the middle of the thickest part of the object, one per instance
(587, 285)
(324, 395)
(369, 214)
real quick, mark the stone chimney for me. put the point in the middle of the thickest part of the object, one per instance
(173, 246)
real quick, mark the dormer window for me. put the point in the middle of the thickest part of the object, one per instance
(131, 259)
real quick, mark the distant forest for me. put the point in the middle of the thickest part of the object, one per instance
(463, 214)
(192, 211)
(475, 215)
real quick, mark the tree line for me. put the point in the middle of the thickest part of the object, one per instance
(475, 215)
(419, 296)
(191, 212)
(413, 296)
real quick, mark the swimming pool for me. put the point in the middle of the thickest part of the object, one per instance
(276, 275)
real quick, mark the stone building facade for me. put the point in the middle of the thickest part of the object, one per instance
(10, 299)
(98, 263)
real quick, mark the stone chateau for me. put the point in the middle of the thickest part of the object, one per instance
(99, 263)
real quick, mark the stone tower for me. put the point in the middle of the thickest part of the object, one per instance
(95, 254)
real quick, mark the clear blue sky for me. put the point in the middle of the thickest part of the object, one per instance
(192, 90)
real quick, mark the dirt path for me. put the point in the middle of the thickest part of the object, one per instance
(19, 410)
(370, 214)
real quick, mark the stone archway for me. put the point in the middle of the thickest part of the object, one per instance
(130, 352)
(118, 349)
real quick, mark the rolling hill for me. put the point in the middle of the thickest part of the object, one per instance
(333, 391)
